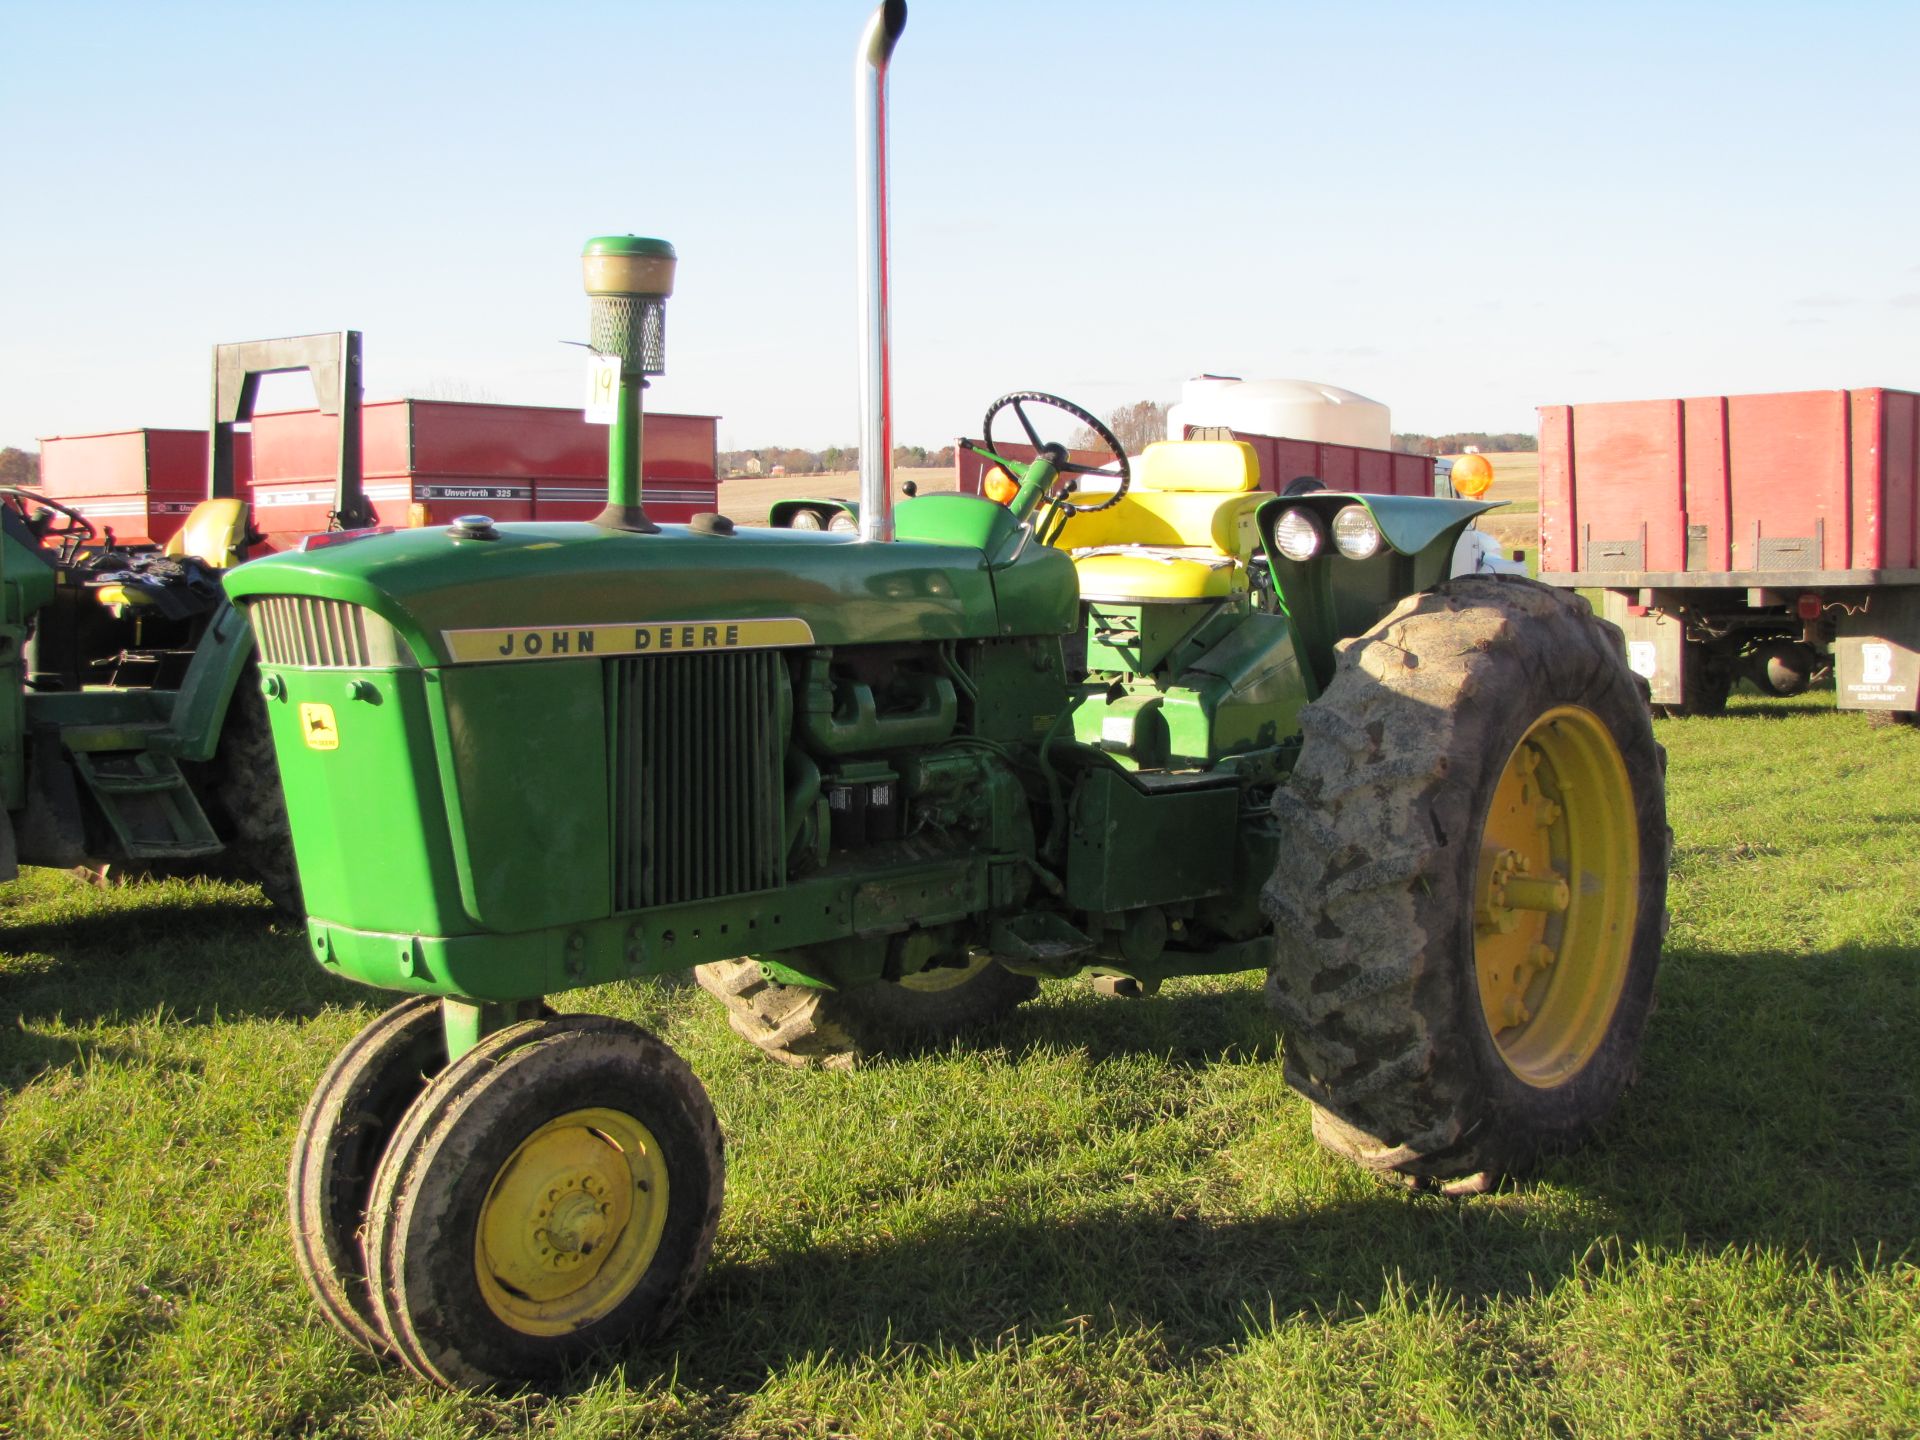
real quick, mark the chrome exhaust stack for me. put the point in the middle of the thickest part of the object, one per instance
(876, 379)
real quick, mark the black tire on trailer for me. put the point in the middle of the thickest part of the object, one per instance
(355, 1109)
(808, 1028)
(1451, 1008)
(554, 1191)
(1706, 679)
(253, 809)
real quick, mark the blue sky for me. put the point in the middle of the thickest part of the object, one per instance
(1462, 210)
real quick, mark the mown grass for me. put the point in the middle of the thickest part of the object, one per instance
(1106, 1219)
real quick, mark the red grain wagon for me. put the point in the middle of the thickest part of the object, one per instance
(1763, 537)
(426, 461)
(1282, 460)
(136, 486)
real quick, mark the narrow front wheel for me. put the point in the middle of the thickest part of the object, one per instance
(354, 1111)
(554, 1191)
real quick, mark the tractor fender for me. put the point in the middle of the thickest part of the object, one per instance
(200, 710)
(1331, 597)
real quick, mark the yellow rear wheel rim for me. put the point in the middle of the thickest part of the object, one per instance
(936, 978)
(1557, 896)
(571, 1222)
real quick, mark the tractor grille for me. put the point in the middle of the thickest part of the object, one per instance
(295, 630)
(697, 747)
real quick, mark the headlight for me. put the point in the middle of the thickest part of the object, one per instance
(1299, 534)
(804, 519)
(843, 523)
(1355, 533)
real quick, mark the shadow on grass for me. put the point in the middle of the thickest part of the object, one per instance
(1779, 1109)
(1195, 1028)
(134, 958)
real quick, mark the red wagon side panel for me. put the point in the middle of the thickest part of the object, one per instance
(140, 484)
(513, 462)
(1897, 437)
(1816, 482)
(1282, 460)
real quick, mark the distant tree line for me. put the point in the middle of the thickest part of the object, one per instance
(19, 467)
(1135, 426)
(1460, 440)
(764, 460)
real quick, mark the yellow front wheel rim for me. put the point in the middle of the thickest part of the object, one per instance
(571, 1222)
(1557, 896)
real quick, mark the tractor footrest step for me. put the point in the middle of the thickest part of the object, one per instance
(148, 803)
(1040, 939)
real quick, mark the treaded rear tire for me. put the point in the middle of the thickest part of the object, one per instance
(835, 1029)
(1373, 898)
(253, 809)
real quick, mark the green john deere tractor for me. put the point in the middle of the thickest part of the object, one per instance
(905, 773)
(132, 736)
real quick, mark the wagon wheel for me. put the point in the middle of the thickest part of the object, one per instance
(552, 1192)
(1469, 909)
(354, 1111)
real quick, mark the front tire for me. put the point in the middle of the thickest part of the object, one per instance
(354, 1110)
(1470, 907)
(555, 1190)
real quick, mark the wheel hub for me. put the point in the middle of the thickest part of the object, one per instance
(572, 1221)
(1557, 896)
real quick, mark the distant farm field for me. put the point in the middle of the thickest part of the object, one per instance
(1107, 1218)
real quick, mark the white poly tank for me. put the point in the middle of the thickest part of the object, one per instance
(1298, 409)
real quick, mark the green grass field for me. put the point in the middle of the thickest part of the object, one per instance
(1107, 1219)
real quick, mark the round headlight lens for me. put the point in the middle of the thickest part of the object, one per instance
(842, 523)
(804, 519)
(1355, 532)
(1299, 534)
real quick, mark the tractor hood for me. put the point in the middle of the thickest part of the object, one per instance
(536, 589)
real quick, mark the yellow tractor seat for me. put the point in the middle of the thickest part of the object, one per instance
(214, 533)
(1127, 573)
(1183, 531)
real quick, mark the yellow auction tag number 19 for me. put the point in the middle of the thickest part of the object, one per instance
(603, 389)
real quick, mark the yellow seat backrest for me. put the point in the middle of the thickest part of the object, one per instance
(215, 532)
(1185, 493)
(1214, 467)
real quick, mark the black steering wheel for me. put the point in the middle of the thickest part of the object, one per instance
(1057, 454)
(71, 536)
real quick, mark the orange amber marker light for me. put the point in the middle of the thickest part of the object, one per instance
(1472, 475)
(998, 486)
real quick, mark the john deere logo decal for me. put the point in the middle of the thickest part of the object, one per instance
(664, 637)
(317, 727)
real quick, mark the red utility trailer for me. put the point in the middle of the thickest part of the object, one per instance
(136, 486)
(1282, 461)
(423, 462)
(1764, 537)
(426, 461)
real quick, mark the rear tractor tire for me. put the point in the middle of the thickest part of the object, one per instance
(1469, 910)
(552, 1192)
(253, 809)
(808, 1028)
